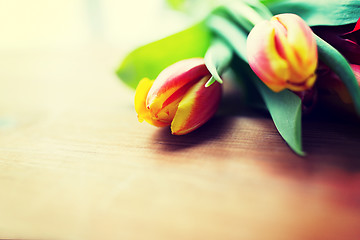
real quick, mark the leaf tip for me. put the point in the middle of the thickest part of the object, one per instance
(300, 152)
(209, 82)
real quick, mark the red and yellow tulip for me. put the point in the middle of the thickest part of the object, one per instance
(283, 53)
(178, 97)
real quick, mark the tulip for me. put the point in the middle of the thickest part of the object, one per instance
(283, 53)
(178, 97)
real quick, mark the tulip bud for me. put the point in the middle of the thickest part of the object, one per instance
(283, 53)
(178, 97)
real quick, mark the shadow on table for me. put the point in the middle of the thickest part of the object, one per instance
(210, 132)
(328, 146)
(331, 166)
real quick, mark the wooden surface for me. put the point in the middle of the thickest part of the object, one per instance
(76, 164)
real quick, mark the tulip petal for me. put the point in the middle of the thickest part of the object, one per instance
(339, 87)
(140, 103)
(264, 58)
(300, 47)
(177, 77)
(197, 106)
(307, 84)
(283, 53)
(356, 70)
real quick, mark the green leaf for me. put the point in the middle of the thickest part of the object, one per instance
(284, 107)
(285, 110)
(332, 58)
(230, 33)
(217, 58)
(260, 8)
(244, 13)
(149, 60)
(247, 13)
(318, 12)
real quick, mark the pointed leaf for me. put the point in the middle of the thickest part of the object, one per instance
(217, 58)
(150, 60)
(284, 107)
(285, 110)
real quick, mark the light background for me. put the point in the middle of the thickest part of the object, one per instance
(49, 24)
(76, 164)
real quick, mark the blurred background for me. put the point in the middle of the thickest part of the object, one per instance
(52, 51)
(76, 164)
(59, 24)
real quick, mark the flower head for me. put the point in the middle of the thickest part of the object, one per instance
(178, 97)
(283, 53)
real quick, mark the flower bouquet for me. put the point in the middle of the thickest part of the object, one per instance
(287, 52)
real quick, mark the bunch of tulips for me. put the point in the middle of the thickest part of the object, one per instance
(281, 55)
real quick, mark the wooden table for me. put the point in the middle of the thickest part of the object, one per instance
(76, 164)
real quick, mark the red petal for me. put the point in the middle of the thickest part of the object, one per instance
(197, 107)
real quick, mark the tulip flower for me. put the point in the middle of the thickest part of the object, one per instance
(283, 53)
(178, 97)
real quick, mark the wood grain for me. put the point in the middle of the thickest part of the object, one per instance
(76, 164)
